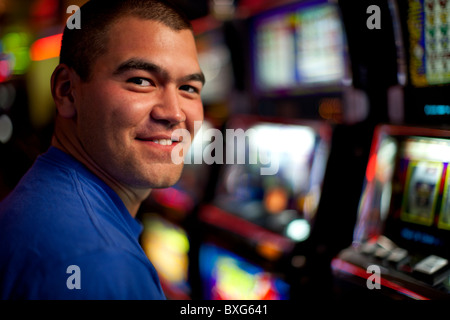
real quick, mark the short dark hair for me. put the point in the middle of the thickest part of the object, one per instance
(81, 47)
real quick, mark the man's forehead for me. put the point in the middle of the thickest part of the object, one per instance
(149, 35)
(125, 21)
(143, 39)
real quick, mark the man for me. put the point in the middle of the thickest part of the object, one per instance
(127, 80)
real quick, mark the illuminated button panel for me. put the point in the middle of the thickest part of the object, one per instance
(432, 269)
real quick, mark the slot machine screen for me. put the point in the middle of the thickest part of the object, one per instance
(227, 276)
(426, 38)
(428, 23)
(297, 47)
(406, 194)
(277, 183)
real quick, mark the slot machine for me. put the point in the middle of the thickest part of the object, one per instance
(263, 208)
(400, 246)
(279, 231)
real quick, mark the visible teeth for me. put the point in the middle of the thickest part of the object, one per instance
(164, 142)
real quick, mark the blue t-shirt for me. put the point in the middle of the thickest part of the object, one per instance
(65, 234)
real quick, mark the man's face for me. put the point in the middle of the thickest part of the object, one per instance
(146, 86)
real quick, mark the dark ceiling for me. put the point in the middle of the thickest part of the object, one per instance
(193, 8)
(19, 9)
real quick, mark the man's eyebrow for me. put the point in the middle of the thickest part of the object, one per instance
(138, 64)
(195, 77)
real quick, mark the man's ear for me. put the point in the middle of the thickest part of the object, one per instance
(62, 86)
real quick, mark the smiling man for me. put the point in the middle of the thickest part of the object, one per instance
(127, 80)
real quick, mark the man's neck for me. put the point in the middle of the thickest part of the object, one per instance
(132, 198)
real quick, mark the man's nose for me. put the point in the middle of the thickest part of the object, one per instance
(168, 108)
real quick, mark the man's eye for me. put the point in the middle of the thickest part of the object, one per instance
(189, 89)
(140, 82)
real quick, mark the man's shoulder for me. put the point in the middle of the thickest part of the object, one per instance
(46, 195)
(55, 184)
(45, 183)
(47, 211)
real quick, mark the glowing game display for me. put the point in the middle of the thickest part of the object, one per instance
(276, 48)
(444, 217)
(421, 191)
(298, 47)
(227, 276)
(406, 193)
(320, 45)
(167, 247)
(428, 26)
(297, 156)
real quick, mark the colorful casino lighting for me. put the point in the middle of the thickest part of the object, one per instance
(16, 44)
(5, 65)
(46, 48)
(5, 70)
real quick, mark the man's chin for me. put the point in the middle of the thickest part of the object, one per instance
(165, 177)
(163, 185)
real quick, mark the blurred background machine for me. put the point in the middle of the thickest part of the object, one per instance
(314, 94)
(402, 226)
(254, 222)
